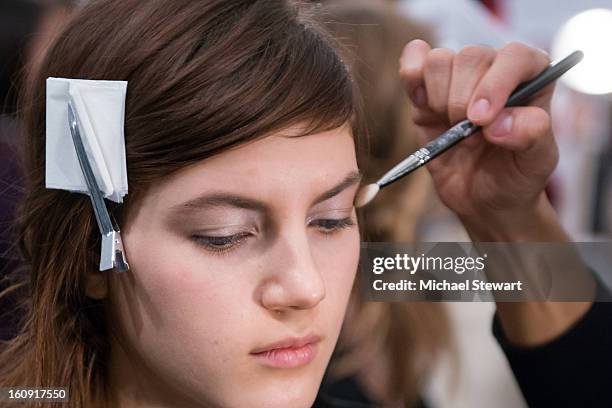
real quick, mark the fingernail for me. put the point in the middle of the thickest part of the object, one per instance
(420, 96)
(479, 109)
(502, 125)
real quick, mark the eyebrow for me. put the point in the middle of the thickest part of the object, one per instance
(223, 199)
(351, 179)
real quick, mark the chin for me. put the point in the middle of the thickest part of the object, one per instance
(282, 393)
(280, 398)
(305, 400)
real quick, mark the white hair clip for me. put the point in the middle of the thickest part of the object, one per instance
(86, 151)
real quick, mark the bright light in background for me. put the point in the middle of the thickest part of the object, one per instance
(591, 32)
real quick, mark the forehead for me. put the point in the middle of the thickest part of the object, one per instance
(268, 168)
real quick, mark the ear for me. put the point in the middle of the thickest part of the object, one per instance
(96, 286)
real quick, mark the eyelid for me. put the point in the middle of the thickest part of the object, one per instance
(212, 226)
(345, 211)
(223, 230)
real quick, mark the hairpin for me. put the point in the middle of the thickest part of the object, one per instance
(112, 255)
(85, 151)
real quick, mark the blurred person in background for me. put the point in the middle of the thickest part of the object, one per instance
(386, 350)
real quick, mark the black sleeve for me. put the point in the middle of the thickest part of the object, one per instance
(574, 370)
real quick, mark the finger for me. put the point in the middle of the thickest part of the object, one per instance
(438, 71)
(411, 71)
(514, 63)
(527, 131)
(425, 117)
(469, 66)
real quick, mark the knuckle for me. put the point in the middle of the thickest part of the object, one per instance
(539, 122)
(544, 125)
(541, 56)
(438, 107)
(410, 76)
(410, 73)
(489, 88)
(457, 107)
(423, 118)
(474, 55)
(421, 121)
(417, 45)
(413, 58)
(439, 59)
(515, 50)
(536, 127)
(412, 79)
(520, 51)
(412, 70)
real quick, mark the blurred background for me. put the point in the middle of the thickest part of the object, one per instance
(580, 188)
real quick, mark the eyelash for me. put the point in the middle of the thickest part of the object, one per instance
(222, 244)
(336, 224)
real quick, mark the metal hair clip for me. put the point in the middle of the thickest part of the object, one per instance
(112, 255)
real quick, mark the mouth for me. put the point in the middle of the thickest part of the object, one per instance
(288, 353)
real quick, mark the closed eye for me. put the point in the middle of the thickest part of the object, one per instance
(220, 244)
(330, 225)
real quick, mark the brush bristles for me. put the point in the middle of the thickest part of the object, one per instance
(366, 194)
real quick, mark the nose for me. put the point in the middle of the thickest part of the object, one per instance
(294, 281)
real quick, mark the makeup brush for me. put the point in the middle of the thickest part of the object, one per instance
(464, 129)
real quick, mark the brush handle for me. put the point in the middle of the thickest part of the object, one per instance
(447, 140)
(527, 90)
(432, 149)
(521, 95)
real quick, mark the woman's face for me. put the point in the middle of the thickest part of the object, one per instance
(241, 269)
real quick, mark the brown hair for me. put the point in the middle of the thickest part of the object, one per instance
(405, 337)
(204, 76)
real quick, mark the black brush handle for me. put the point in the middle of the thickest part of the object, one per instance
(527, 90)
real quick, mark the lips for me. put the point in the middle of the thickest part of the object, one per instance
(287, 353)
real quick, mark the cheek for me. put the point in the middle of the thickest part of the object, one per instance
(180, 309)
(174, 292)
(338, 260)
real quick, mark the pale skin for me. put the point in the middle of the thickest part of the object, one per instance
(495, 180)
(186, 319)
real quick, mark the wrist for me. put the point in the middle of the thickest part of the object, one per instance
(535, 223)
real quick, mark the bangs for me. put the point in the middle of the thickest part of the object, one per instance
(269, 66)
